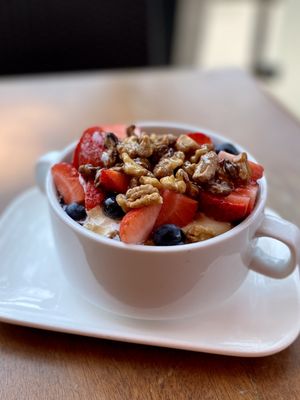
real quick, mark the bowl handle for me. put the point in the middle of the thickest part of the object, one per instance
(42, 167)
(268, 264)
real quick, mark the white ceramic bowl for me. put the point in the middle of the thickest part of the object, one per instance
(165, 282)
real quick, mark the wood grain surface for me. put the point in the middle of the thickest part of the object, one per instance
(46, 113)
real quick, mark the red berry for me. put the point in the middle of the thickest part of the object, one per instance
(177, 209)
(113, 181)
(66, 179)
(93, 196)
(138, 223)
(257, 170)
(200, 138)
(89, 148)
(248, 191)
(233, 207)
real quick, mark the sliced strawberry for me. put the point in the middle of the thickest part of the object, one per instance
(113, 181)
(257, 170)
(137, 224)
(233, 207)
(93, 196)
(118, 129)
(177, 209)
(248, 191)
(200, 138)
(89, 148)
(66, 179)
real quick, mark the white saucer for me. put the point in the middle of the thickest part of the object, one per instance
(262, 318)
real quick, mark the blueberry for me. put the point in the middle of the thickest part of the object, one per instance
(75, 211)
(228, 147)
(111, 208)
(168, 235)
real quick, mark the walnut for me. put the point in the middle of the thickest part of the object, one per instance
(203, 228)
(205, 148)
(162, 146)
(139, 196)
(136, 146)
(129, 146)
(192, 190)
(134, 181)
(206, 168)
(167, 165)
(117, 167)
(238, 168)
(160, 140)
(221, 187)
(132, 168)
(110, 155)
(173, 183)
(178, 183)
(144, 180)
(189, 168)
(88, 171)
(144, 162)
(186, 144)
(181, 174)
(131, 129)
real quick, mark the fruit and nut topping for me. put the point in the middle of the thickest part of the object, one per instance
(155, 189)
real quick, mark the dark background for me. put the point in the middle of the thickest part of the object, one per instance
(63, 35)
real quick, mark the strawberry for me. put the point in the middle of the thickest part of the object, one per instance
(248, 191)
(200, 138)
(177, 209)
(229, 208)
(257, 170)
(113, 181)
(138, 223)
(93, 196)
(89, 148)
(66, 179)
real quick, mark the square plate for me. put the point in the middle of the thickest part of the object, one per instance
(261, 318)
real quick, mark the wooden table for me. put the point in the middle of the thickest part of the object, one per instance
(45, 113)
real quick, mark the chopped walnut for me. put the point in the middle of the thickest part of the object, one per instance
(192, 190)
(221, 187)
(162, 146)
(203, 228)
(136, 146)
(166, 166)
(206, 168)
(110, 155)
(173, 183)
(88, 171)
(186, 144)
(144, 180)
(238, 169)
(132, 168)
(159, 140)
(130, 130)
(189, 168)
(139, 196)
(117, 167)
(134, 181)
(205, 148)
(144, 162)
